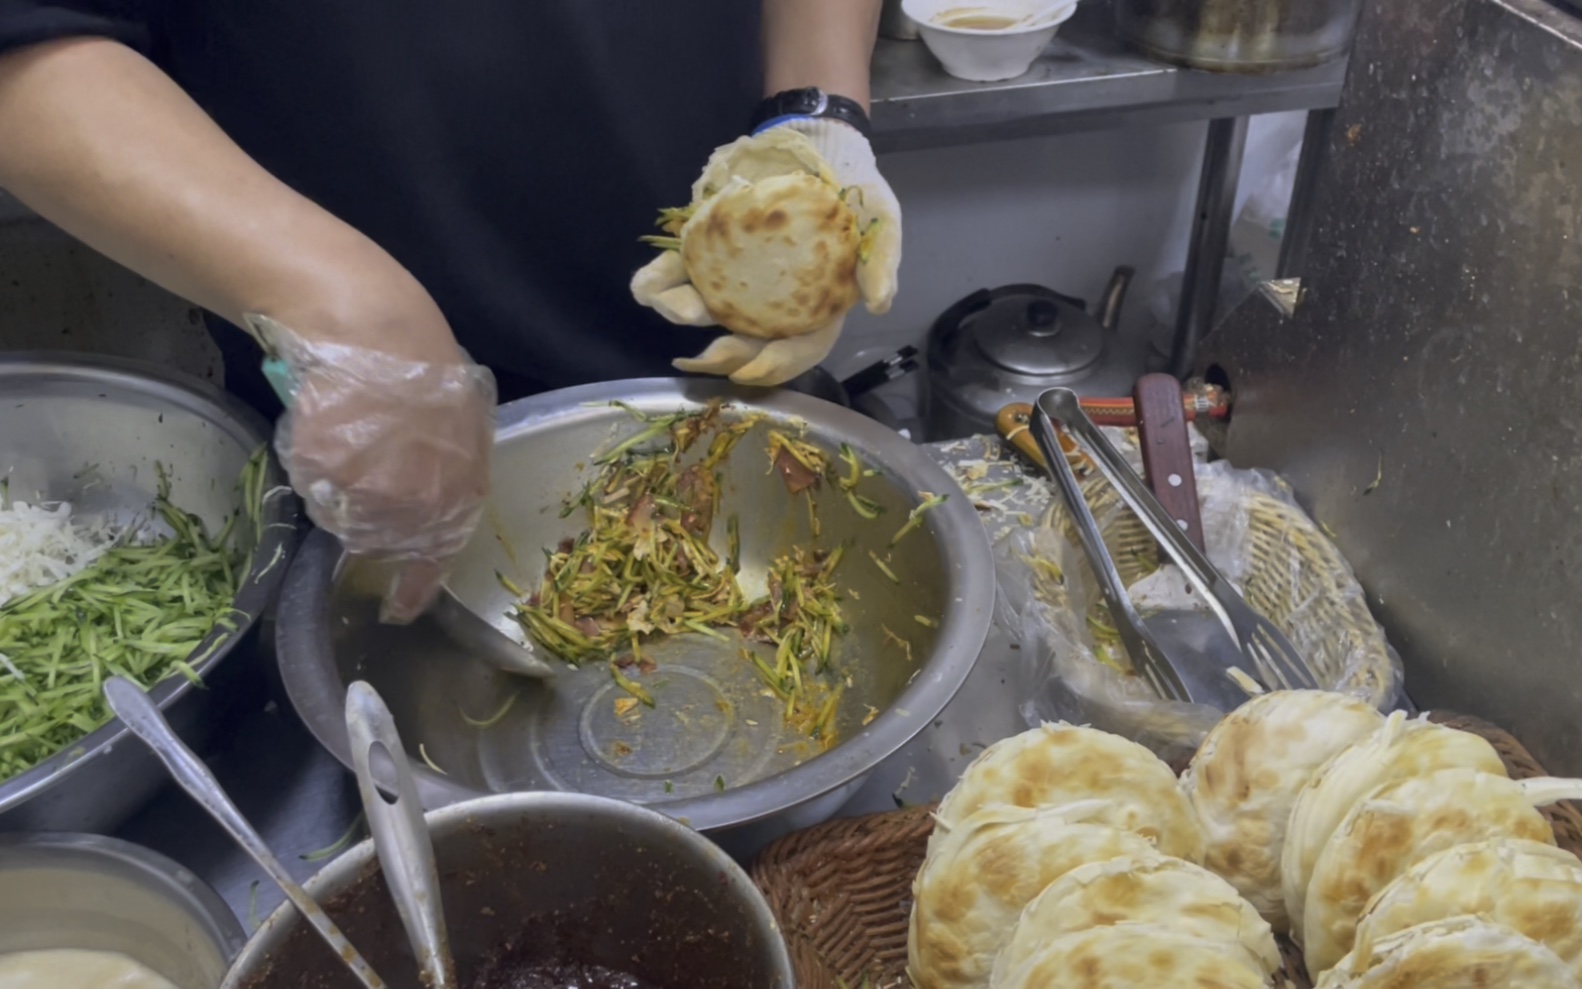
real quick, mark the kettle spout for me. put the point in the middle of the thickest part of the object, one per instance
(1114, 294)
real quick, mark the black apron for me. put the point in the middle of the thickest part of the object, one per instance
(509, 153)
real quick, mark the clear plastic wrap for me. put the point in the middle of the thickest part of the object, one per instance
(1256, 535)
(390, 456)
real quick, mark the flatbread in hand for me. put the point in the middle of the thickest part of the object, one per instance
(1245, 777)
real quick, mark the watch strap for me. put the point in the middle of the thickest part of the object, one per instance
(814, 103)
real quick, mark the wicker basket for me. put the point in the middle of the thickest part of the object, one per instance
(1295, 575)
(842, 891)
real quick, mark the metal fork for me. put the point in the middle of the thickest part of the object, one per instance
(1273, 657)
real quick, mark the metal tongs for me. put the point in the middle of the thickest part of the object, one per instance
(1273, 658)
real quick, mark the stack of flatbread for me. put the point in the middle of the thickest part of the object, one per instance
(1395, 851)
(1067, 856)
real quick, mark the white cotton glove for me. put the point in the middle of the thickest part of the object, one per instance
(665, 286)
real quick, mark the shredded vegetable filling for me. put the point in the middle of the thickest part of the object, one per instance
(645, 567)
(99, 603)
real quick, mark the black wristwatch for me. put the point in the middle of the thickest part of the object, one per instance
(810, 102)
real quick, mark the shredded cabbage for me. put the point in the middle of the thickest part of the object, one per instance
(42, 545)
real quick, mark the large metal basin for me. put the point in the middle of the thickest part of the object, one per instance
(61, 414)
(734, 764)
(563, 878)
(1249, 36)
(101, 894)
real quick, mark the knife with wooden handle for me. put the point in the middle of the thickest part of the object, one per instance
(1167, 452)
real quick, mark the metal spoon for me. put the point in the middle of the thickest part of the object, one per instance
(400, 834)
(506, 651)
(144, 720)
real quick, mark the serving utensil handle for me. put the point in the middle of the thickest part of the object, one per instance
(143, 719)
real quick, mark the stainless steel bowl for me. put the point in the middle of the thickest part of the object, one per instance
(732, 764)
(61, 414)
(564, 878)
(103, 894)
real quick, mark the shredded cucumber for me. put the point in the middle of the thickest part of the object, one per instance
(139, 610)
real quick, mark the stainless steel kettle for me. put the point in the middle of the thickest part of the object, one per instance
(1009, 344)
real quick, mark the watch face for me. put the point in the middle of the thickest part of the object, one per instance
(807, 101)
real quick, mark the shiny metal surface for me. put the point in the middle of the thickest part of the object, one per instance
(400, 835)
(1423, 399)
(571, 876)
(60, 415)
(1086, 80)
(500, 643)
(1145, 653)
(303, 801)
(1216, 199)
(556, 737)
(1239, 35)
(1006, 345)
(142, 718)
(1271, 656)
(60, 890)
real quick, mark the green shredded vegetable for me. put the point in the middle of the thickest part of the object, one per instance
(139, 611)
(915, 517)
(644, 566)
(340, 844)
(493, 719)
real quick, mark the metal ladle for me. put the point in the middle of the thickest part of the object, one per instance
(503, 650)
(143, 719)
(401, 838)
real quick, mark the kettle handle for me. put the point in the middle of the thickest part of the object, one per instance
(1114, 294)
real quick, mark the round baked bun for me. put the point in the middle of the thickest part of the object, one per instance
(976, 880)
(1131, 956)
(1533, 888)
(1245, 776)
(1144, 889)
(1398, 825)
(1401, 749)
(1455, 953)
(1056, 764)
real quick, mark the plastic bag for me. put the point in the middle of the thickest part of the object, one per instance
(1256, 535)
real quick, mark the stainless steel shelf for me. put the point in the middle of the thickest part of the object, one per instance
(1085, 80)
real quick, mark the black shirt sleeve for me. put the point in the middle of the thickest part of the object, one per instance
(28, 22)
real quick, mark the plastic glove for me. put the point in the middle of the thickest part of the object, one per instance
(663, 283)
(390, 456)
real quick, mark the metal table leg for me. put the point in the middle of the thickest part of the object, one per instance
(1299, 216)
(1216, 204)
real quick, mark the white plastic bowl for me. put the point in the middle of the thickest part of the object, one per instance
(984, 55)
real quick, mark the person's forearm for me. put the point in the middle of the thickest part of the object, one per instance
(823, 43)
(100, 142)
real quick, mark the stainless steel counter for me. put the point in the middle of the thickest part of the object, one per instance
(1085, 80)
(302, 801)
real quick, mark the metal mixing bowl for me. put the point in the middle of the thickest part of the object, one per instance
(714, 751)
(64, 414)
(103, 894)
(565, 878)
